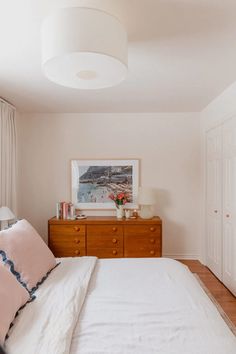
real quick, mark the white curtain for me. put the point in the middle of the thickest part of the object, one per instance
(7, 155)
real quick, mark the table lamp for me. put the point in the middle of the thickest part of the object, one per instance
(146, 199)
(5, 215)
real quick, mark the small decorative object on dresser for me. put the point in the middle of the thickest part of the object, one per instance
(65, 210)
(120, 199)
(120, 211)
(106, 237)
(127, 213)
(134, 214)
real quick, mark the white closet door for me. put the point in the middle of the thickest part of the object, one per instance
(229, 204)
(214, 201)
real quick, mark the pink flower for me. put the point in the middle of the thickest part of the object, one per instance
(120, 198)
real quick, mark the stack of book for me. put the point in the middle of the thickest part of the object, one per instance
(65, 210)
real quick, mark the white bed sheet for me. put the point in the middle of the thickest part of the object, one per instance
(46, 325)
(144, 306)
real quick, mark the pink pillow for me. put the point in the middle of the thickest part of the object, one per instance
(30, 255)
(12, 297)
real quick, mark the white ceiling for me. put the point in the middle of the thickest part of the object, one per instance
(182, 54)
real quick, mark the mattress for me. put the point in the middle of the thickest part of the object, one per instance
(138, 306)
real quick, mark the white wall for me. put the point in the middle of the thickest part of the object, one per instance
(223, 107)
(168, 146)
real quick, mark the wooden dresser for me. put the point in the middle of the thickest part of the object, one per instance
(105, 237)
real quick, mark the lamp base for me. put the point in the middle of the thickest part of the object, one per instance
(146, 212)
(4, 224)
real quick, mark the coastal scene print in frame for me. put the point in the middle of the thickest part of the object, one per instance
(94, 180)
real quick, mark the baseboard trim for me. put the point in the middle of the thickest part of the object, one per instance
(182, 256)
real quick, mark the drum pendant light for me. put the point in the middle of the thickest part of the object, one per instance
(84, 48)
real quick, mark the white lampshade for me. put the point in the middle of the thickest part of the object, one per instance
(146, 199)
(84, 48)
(6, 214)
(146, 196)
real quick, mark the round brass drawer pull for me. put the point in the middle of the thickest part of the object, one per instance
(76, 228)
(152, 229)
(77, 252)
(77, 240)
(114, 240)
(216, 211)
(114, 229)
(152, 240)
(227, 215)
(152, 252)
(114, 252)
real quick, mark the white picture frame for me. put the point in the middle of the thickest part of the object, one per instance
(93, 180)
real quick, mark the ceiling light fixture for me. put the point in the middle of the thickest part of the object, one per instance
(84, 48)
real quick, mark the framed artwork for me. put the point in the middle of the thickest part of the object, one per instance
(94, 180)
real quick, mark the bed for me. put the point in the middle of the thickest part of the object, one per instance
(111, 306)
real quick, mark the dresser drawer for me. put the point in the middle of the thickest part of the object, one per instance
(104, 236)
(63, 245)
(135, 230)
(68, 251)
(142, 245)
(105, 252)
(143, 252)
(67, 230)
(140, 240)
(105, 230)
(104, 241)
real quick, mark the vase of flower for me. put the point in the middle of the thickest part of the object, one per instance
(120, 199)
(120, 211)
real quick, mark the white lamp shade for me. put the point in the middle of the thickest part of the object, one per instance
(6, 214)
(84, 48)
(146, 196)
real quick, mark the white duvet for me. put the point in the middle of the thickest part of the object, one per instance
(147, 306)
(46, 325)
(138, 306)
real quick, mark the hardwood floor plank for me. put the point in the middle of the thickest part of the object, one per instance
(222, 295)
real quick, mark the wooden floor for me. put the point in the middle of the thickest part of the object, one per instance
(222, 295)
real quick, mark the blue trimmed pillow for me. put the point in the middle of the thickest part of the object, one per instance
(28, 256)
(12, 297)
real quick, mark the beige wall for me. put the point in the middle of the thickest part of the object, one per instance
(223, 107)
(168, 146)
